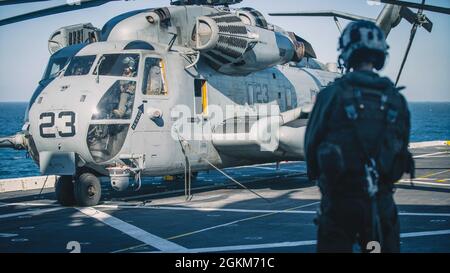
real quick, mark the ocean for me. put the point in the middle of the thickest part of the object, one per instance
(430, 121)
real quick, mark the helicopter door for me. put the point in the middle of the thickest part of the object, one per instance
(152, 136)
(201, 114)
(288, 98)
(201, 97)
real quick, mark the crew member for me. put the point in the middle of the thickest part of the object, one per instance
(356, 146)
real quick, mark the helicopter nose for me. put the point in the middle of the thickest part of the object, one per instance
(58, 118)
(83, 117)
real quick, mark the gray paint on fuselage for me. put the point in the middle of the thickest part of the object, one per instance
(113, 22)
(225, 90)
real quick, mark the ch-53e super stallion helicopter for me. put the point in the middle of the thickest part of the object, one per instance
(167, 91)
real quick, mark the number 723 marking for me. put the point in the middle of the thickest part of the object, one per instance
(65, 122)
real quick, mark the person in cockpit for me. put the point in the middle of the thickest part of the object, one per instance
(129, 67)
(127, 90)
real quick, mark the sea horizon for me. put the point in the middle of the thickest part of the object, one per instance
(429, 121)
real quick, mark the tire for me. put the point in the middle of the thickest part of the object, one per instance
(87, 190)
(64, 191)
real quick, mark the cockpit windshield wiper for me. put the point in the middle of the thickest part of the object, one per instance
(97, 68)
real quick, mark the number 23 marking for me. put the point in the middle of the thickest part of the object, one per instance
(69, 125)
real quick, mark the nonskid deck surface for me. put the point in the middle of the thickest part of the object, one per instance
(221, 216)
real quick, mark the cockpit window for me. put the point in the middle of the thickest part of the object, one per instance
(54, 65)
(113, 117)
(106, 140)
(117, 103)
(154, 78)
(123, 65)
(80, 65)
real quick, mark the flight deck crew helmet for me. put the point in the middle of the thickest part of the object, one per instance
(362, 41)
(129, 62)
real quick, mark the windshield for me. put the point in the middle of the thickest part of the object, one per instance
(124, 65)
(80, 65)
(54, 65)
(117, 103)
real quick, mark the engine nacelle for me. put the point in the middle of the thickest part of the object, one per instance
(234, 48)
(71, 35)
(252, 17)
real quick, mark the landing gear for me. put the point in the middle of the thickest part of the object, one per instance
(64, 191)
(87, 190)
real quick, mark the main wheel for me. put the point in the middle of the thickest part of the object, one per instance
(87, 190)
(64, 191)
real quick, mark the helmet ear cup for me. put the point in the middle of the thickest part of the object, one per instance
(130, 62)
(355, 36)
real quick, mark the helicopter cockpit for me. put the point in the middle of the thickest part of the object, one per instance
(115, 108)
(119, 74)
(117, 103)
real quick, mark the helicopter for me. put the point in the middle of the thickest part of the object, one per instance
(175, 90)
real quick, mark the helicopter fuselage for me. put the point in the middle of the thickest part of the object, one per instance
(169, 90)
(73, 119)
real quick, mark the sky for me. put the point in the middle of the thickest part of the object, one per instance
(24, 48)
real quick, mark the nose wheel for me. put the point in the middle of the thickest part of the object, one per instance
(87, 190)
(83, 191)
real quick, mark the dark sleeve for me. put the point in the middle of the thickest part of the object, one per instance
(405, 157)
(407, 129)
(405, 125)
(316, 130)
(408, 122)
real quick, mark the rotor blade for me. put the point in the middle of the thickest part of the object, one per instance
(411, 39)
(417, 6)
(14, 2)
(324, 13)
(83, 4)
(411, 17)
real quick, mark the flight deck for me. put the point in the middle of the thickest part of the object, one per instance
(220, 216)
